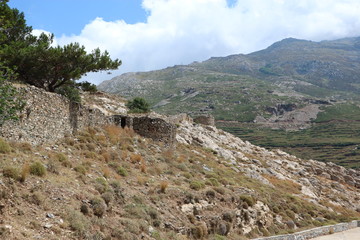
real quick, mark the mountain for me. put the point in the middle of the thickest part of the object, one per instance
(290, 86)
(107, 182)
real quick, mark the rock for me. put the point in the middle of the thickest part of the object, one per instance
(48, 225)
(50, 215)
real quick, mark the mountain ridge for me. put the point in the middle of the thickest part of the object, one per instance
(251, 88)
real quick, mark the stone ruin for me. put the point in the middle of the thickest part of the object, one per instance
(205, 120)
(48, 117)
(149, 127)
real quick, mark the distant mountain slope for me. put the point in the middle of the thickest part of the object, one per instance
(285, 86)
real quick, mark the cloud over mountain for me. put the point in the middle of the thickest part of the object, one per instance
(182, 31)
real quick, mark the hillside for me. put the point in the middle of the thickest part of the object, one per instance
(107, 182)
(290, 86)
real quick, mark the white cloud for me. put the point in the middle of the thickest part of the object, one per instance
(183, 31)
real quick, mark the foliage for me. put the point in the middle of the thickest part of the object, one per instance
(4, 146)
(10, 101)
(70, 93)
(38, 62)
(88, 87)
(38, 169)
(138, 105)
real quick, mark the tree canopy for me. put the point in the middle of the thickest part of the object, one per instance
(37, 62)
(138, 105)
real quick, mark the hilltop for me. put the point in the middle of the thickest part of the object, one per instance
(107, 182)
(295, 90)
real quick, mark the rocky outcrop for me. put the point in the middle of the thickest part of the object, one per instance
(317, 180)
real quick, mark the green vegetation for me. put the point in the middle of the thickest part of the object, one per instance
(138, 105)
(334, 136)
(38, 169)
(240, 88)
(10, 100)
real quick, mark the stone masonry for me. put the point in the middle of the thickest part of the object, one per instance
(48, 117)
(155, 128)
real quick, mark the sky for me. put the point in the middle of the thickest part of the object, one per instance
(154, 34)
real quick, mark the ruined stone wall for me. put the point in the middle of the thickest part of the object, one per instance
(205, 120)
(155, 128)
(48, 117)
(315, 232)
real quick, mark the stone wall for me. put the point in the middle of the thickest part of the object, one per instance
(48, 117)
(315, 232)
(205, 120)
(155, 128)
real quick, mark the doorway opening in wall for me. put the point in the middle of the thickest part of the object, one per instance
(123, 122)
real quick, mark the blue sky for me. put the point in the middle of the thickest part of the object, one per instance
(154, 34)
(70, 16)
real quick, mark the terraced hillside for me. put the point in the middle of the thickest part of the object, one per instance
(290, 86)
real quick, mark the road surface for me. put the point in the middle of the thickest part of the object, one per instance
(352, 234)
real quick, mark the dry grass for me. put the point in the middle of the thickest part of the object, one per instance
(136, 158)
(284, 185)
(163, 186)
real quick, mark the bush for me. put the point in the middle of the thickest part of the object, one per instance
(11, 172)
(138, 105)
(99, 206)
(249, 200)
(122, 171)
(197, 185)
(4, 146)
(78, 223)
(70, 93)
(37, 169)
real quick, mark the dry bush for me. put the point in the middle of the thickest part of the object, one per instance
(4, 146)
(124, 155)
(182, 159)
(143, 166)
(25, 171)
(106, 172)
(136, 158)
(142, 180)
(163, 186)
(169, 155)
(113, 133)
(22, 146)
(286, 185)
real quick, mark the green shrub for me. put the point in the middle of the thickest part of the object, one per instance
(38, 169)
(70, 92)
(197, 185)
(78, 223)
(122, 171)
(248, 199)
(4, 146)
(11, 172)
(138, 105)
(99, 206)
(80, 169)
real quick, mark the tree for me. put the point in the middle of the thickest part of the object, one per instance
(138, 105)
(37, 62)
(10, 101)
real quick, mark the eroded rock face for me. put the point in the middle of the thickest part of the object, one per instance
(252, 217)
(317, 180)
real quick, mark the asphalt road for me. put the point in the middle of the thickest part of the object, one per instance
(352, 234)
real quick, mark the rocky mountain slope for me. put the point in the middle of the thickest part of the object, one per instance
(110, 183)
(292, 85)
